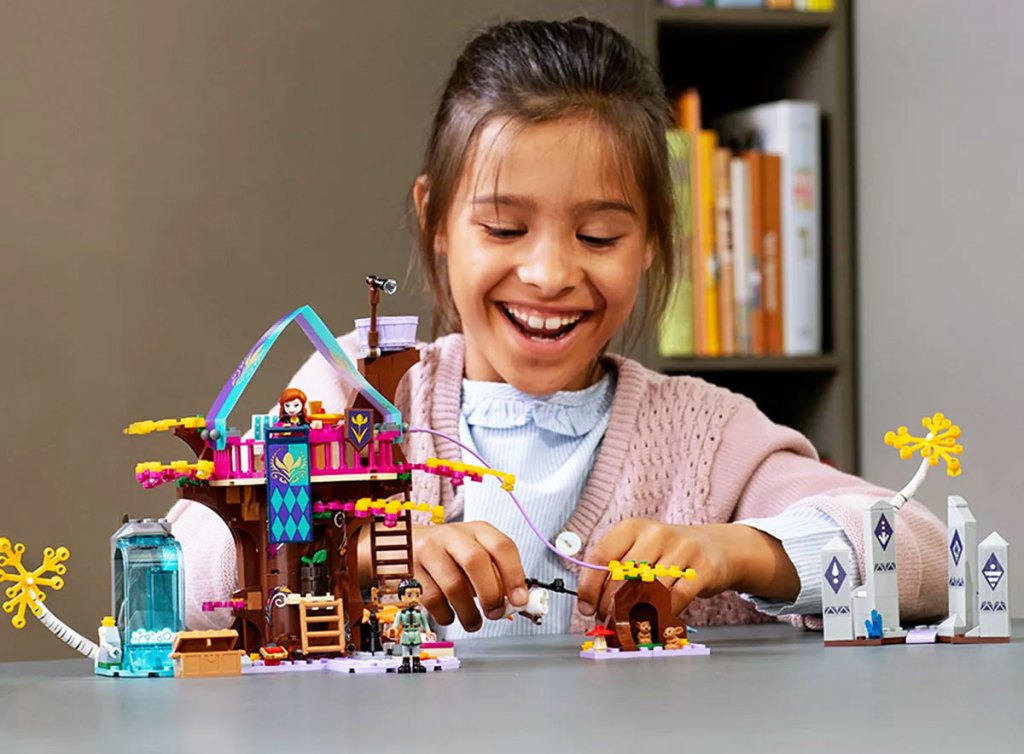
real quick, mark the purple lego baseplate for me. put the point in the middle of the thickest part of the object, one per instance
(658, 653)
(348, 665)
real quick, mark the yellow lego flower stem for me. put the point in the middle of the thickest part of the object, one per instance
(939, 444)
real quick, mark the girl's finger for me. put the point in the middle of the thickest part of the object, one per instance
(505, 558)
(433, 599)
(684, 592)
(455, 586)
(646, 547)
(592, 583)
(479, 569)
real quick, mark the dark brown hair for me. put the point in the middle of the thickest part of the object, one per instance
(536, 71)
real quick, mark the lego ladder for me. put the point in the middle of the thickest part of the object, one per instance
(328, 639)
(391, 552)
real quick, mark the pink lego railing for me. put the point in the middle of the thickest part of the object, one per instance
(329, 455)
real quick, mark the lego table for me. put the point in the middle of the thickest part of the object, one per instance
(763, 688)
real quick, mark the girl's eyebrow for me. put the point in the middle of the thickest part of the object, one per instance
(590, 205)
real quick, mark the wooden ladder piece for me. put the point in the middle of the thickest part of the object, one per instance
(391, 552)
(334, 637)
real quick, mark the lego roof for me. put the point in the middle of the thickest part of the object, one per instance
(324, 342)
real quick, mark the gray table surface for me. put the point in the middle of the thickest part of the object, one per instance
(771, 687)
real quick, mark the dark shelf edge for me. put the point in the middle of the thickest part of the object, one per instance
(795, 364)
(741, 18)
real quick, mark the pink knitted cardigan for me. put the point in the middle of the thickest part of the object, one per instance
(677, 449)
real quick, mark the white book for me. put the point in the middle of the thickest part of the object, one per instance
(739, 178)
(792, 130)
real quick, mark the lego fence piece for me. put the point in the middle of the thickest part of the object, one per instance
(324, 341)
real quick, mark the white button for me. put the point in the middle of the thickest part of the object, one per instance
(569, 543)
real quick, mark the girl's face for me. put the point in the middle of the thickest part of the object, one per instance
(293, 407)
(546, 248)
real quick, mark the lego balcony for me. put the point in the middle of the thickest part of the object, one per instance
(331, 459)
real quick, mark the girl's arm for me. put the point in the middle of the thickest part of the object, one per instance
(762, 469)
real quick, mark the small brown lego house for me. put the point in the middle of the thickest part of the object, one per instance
(199, 654)
(638, 602)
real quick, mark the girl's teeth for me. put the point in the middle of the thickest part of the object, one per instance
(536, 322)
(552, 323)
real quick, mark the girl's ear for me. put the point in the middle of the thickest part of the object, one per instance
(420, 194)
(420, 198)
(649, 252)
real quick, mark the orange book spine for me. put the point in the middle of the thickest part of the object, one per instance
(771, 251)
(754, 159)
(689, 121)
(708, 147)
(723, 252)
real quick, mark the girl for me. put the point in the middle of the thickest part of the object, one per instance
(544, 205)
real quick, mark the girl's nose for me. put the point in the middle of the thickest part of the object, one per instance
(552, 268)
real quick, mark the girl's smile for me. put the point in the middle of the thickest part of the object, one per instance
(546, 246)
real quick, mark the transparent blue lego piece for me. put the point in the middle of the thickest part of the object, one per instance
(148, 588)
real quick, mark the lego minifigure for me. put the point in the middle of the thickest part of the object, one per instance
(293, 408)
(410, 623)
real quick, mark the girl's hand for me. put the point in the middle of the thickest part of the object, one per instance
(725, 556)
(456, 562)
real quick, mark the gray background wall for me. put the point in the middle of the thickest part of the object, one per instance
(174, 176)
(940, 108)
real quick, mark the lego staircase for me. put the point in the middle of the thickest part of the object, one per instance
(391, 552)
(327, 613)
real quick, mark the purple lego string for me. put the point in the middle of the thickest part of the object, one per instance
(515, 500)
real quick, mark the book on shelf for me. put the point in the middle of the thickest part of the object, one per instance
(791, 129)
(746, 231)
(689, 121)
(675, 335)
(753, 158)
(724, 251)
(709, 265)
(804, 5)
(739, 173)
(816, 5)
(771, 252)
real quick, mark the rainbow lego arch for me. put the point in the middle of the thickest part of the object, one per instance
(325, 343)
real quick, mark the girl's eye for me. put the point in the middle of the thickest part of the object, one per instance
(503, 234)
(599, 241)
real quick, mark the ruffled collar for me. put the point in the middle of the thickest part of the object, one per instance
(573, 413)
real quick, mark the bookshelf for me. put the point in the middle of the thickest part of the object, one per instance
(743, 57)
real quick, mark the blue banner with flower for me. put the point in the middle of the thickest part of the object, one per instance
(289, 500)
(359, 426)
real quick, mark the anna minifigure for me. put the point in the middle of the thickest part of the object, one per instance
(293, 408)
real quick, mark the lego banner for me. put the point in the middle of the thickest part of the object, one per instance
(324, 342)
(289, 502)
(359, 426)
